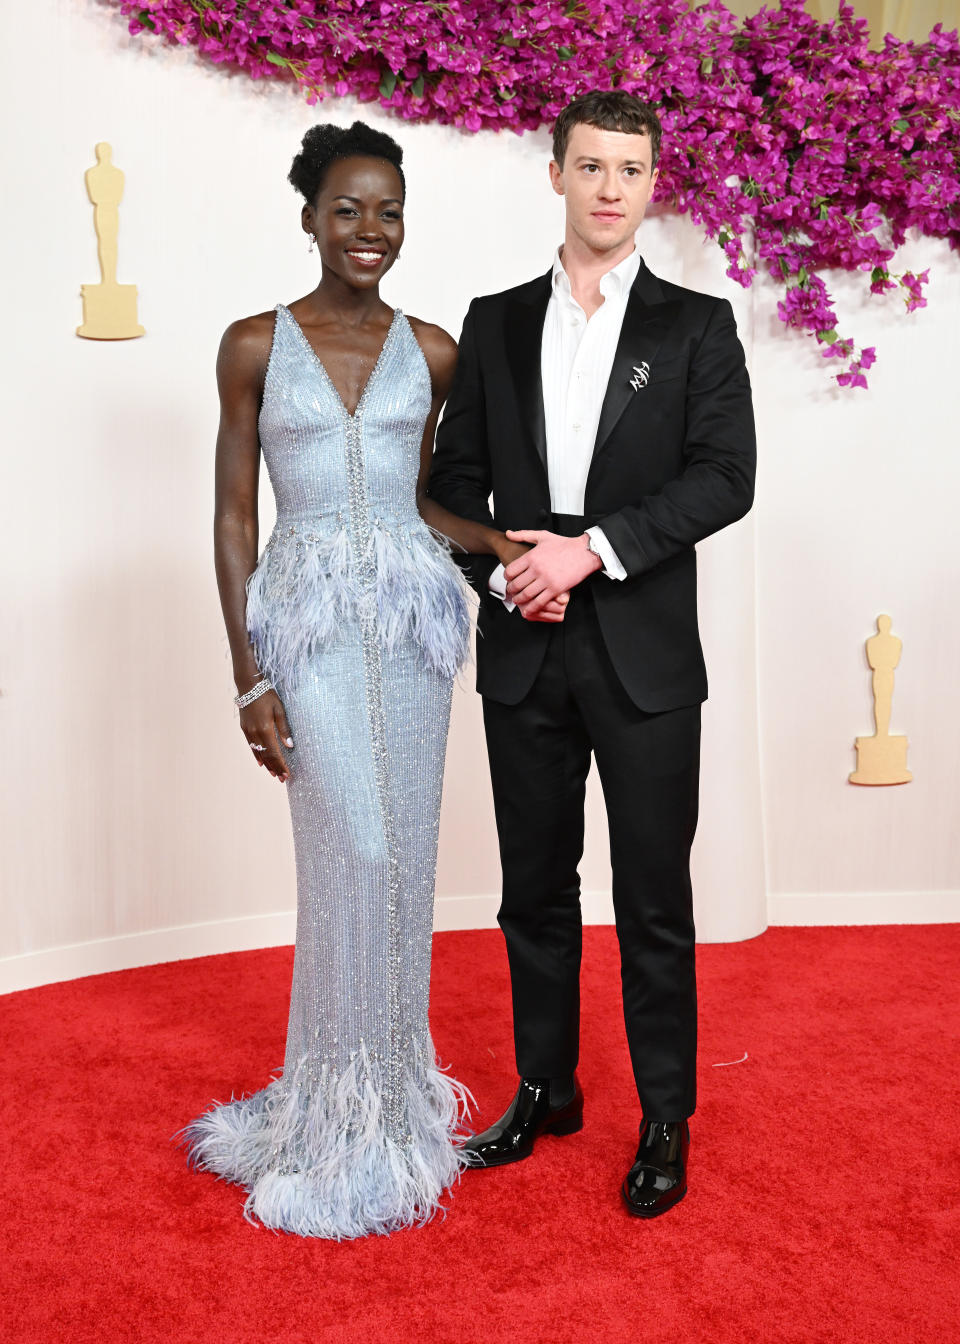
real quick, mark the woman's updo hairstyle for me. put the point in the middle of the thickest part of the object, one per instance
(324, 143)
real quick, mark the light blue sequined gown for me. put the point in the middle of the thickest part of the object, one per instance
(359, 617)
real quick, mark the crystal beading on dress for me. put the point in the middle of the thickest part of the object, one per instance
(318, 568)
(359, 617)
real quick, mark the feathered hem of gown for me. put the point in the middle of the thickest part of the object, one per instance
(315, 1155)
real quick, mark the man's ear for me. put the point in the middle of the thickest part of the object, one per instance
(556, 177)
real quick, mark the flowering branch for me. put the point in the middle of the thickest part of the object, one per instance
(779, 129)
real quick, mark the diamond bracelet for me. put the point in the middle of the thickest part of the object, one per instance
(254, 693)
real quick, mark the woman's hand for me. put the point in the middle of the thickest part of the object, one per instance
(508, 551)
(265, 726)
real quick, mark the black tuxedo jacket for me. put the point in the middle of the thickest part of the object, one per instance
(673, 462)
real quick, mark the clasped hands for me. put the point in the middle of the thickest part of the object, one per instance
(539, 580)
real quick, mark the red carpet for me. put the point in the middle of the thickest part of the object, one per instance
(825, 1178)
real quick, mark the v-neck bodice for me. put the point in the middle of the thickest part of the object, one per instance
(304, 425)
(349, 546)
(397, 316)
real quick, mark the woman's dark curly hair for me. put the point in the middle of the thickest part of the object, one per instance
(324, 143)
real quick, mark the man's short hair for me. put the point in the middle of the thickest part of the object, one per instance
(613, 111)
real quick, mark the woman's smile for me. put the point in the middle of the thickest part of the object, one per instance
(369, 258)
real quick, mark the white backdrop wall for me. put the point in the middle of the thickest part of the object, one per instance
(135, 825)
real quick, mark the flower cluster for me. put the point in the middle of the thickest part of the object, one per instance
(789, 141)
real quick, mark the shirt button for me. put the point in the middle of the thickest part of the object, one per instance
(577, 426)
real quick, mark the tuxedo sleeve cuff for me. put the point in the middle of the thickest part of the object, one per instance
(611, 563)
(497, 583)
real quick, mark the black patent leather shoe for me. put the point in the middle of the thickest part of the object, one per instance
(528, 1116)
(658, 1178)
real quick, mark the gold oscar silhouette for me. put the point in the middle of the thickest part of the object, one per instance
(882, 759)
(109, 309)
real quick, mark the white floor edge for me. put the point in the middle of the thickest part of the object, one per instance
(864, 907)
(51, 965)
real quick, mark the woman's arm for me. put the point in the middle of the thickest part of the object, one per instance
(473, 537)
(241, 364)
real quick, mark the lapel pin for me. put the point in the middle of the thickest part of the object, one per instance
(641, 375)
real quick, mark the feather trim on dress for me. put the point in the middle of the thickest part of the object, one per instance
(307, 584)
(314, 1153)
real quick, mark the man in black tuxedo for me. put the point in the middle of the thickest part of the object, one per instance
(608, 414)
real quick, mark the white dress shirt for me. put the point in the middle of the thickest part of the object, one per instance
(576, 356)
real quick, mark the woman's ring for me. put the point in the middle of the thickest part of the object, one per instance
(255, 746)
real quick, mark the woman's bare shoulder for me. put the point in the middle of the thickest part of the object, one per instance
(248, 334)
(438, 346)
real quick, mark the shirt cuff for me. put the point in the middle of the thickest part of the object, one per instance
(497, 584)
(611, 564)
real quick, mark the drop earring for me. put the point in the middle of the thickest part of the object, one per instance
(313, 239)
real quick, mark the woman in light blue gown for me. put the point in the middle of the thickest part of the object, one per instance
(345, 638)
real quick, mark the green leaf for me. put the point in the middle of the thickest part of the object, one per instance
(510, 41)
(388, 84)
(784, 268)
(706, 66)
(416, 88)
(802, 277)
(564, 53)
(146, 18)
(274, 59)
(901, 125)
(877, 274)
(827, 337)
(824, 212)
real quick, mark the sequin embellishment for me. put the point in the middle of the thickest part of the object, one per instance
(373, 674)
(357, 613)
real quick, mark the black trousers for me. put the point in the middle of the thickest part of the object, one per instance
(649, 768)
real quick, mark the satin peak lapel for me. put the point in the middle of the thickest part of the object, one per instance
(635, 363)
(523, 336)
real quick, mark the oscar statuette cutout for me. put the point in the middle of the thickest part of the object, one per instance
(882, 759)
(109, 309)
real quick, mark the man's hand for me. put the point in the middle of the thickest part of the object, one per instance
(556, 564)
(509, 551)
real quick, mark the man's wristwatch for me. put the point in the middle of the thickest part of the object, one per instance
(592, 546)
